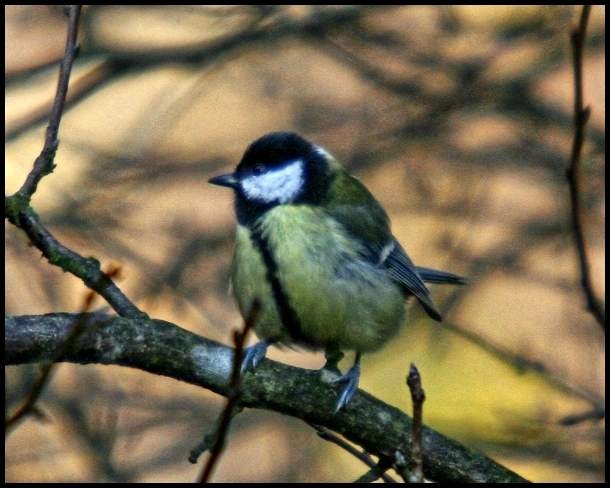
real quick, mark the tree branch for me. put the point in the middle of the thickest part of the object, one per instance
(44, 162)
(162, 348)
(19, 212)
(581, 116)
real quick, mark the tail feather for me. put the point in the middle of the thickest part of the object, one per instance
(430, 275)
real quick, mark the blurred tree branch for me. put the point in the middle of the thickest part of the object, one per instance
(83, 86)
(119, 63)
(162, 348)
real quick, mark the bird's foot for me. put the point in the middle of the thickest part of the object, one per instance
(333, 356)
(254, 355)
(350, 381)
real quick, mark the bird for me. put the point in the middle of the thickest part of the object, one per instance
(315, 251)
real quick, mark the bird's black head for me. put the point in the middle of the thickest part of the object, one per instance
(279, 168)
(273, 150)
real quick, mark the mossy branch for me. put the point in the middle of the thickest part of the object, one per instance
(163, 348)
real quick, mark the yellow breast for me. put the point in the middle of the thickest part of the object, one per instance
(338, 297)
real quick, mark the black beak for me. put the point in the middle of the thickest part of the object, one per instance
(225, 180)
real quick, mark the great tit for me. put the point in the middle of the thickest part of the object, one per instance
(315, 249)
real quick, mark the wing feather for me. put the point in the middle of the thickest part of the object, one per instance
(402, 270)
(351, 204)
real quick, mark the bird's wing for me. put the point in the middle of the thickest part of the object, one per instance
(352, 205)
(402, 270)
(430, 275)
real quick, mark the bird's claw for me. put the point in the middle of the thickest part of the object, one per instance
(350, 380)
(253, 355)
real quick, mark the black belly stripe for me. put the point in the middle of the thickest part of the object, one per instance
(287, 314)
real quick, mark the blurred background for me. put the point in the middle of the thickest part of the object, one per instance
(458, 119)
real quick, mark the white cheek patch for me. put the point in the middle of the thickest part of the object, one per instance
(283, 184)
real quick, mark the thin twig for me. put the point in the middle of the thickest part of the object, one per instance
(44, 162)
(417, 397)
(325, 434)
(21, 214)
(239, 339)
(377, 471)
(29, 406)
(581, 116)
(207, 443)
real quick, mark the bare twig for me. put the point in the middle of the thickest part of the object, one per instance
(29, 406)
(417, 397)
(581, 116)
(363, 456)
(44, 162)
(207, 443)
(21, 214)
(378, 471)
(239, 339)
